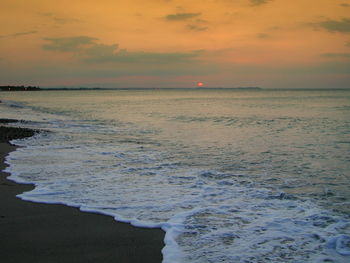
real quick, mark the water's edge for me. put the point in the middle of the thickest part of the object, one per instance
(32, 186)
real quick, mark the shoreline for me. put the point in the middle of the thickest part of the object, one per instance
(37, 232)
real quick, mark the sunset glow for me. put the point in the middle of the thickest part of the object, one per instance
(164, 43)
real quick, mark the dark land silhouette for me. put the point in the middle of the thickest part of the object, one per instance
(19, 88)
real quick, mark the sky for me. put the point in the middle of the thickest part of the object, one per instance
(175, 43)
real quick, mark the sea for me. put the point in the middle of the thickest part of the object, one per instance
(230, 175)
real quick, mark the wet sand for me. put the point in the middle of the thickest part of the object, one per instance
(34, 232)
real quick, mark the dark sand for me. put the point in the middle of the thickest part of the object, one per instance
(34, 232)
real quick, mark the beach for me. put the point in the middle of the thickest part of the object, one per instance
(35, 232)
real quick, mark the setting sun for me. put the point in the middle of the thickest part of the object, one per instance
(200, 84)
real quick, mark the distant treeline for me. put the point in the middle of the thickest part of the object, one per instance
(18, 88)
(77, 88)
(151, 88)
(33, 88)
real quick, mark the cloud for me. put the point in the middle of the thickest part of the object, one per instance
(68, 44)
(263, 35)
(336, 67)
(88, 50)
(275, 28)
(59, 19)
(342, 25)
(199, 20)
(336, 55)
(101, 53)
(19, 34)
(197, 28)
(24, 33)
(259, 2)
(181, 16)
(344, 5)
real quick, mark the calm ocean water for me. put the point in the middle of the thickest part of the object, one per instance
(230, 175)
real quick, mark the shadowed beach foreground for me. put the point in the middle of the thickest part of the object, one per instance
(34, 232)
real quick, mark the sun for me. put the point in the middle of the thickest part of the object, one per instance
(200, 84)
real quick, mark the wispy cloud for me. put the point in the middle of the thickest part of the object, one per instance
(263, 35)
(336, 55)
(19, 34)
(68, 44)
(197, 28)
(275, 28)
(59, 19)
(259, 2)
(101, 53)
(181, 16)
(342, 25)
(199, 20)
(90, 51)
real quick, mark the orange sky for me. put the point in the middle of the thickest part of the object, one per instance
(170, 43)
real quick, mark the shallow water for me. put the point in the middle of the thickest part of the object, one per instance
(230, 175)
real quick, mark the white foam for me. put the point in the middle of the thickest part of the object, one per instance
(341, 244)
